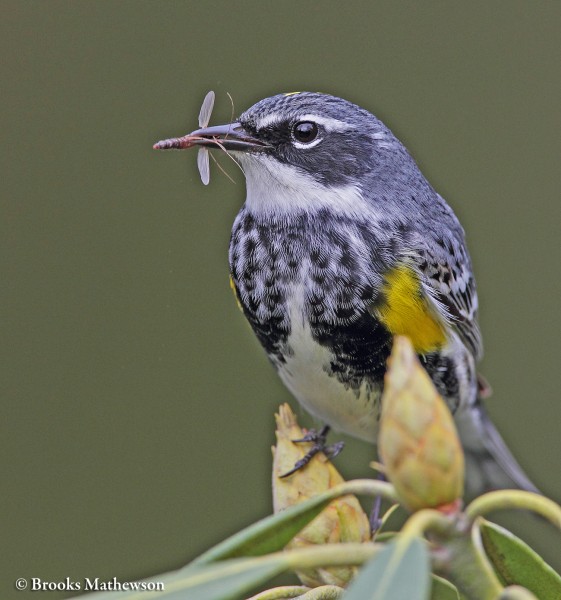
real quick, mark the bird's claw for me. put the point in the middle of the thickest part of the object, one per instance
(318, 439)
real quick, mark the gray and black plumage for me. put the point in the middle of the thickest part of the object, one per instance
(341, 244)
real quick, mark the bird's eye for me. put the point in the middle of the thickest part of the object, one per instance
(305, 132)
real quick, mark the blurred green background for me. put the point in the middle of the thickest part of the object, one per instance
(137, 405)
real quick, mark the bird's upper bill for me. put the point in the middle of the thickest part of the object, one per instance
(226, 137)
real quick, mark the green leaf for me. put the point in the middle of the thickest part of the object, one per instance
(517, 564)
(400, 572)
(273, 533)
(218, 581)
(222, 581)
(267, 535)
(443, 590)
(230, 579)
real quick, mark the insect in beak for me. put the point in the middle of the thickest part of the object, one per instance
(226, 137)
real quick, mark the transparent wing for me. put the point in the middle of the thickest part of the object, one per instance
(204, 118)
(206, 110)
(203, 164)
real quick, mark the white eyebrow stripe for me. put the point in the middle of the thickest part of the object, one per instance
(267, 121)
(328, 123)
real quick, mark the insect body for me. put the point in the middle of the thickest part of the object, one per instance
(187, 141)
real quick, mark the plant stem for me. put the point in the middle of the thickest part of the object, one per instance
(330, 555)
(466, 564)
(503, 499)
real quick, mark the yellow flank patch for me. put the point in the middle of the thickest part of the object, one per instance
(235, 292)
(406, 311)
(291, 93)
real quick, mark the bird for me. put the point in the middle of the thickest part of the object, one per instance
(341, 245)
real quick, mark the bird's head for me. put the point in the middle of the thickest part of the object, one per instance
(306, 150)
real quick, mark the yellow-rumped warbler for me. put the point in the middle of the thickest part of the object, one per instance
(342, 244)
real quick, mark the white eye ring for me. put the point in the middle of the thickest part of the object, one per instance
(302, 146)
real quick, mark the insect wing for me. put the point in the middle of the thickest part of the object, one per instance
(204, 118)
(206, 109)
(203, 164)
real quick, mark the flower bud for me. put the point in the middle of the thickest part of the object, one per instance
(418, 442)
(343, 520)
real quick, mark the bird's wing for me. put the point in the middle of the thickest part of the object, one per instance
(447, 278)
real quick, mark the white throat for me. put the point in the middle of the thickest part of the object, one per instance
(283, 190)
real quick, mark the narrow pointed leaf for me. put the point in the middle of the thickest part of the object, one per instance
(399, 572)
(517, 564)
(268, 535)
(273, 533)
(232, 579)
(220, 581)
(443, 590)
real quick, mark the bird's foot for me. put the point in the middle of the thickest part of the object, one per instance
(319, 441)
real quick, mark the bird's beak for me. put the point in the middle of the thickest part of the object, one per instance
(227, 137)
